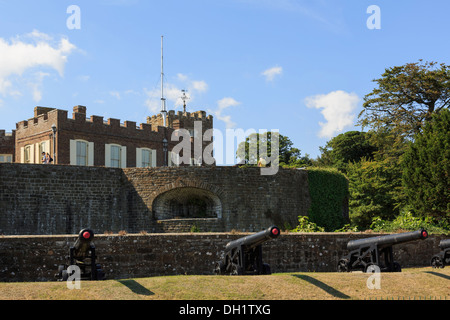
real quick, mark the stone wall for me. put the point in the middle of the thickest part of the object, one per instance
(36, 258)
(57, 199)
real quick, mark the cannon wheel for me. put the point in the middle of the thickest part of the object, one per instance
(64, 275)
(236, 270)
(100, 274)
(343, 266)
(219, 267)
(396, 267)
(371, 268)
(436, 262)
(266, 269)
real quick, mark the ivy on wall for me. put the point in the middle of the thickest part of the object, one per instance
(328, 189)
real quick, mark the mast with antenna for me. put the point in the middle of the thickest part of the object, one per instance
(163, 100)
(184, 98)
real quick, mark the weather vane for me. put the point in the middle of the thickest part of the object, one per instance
(184, 98)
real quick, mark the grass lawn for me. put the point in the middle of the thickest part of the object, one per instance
(410, 284)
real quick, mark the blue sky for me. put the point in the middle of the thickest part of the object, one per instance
(299, 66)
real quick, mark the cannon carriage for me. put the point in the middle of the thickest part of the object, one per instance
(442, 259)
(376, 251)
(244, 256)
(82, 255)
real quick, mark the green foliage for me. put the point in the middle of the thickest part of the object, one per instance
(406, 97)
(304, 225)
(408, 222)
(255, 144)
(328, 189)
(348, 228)
(347, 147)
(426, 166)
(375, 189)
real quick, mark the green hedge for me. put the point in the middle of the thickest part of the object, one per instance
(328, 189)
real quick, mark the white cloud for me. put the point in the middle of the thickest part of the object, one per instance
(182, 77)
(84, 78)
(270, 73)
(199, 86)
(222, 105)
(36, 85)
(115, 94)
(23, 53)
(172, 93)
(337, 108)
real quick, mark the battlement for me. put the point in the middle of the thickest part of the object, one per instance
(180, 115)
(178, 120)
(41, 118)
(5, 134)
(44, 118)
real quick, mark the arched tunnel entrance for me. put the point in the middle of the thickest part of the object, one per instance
(187, 202)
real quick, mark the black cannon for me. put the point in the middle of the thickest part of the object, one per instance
(82, 254)
(244, 255)
(364, 253)
(442, 259)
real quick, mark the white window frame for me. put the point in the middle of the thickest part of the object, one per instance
(116, 156)
(5, 158)
(174, 159)
(74, 157)
(82, 153)
(140, 158)
(122, 155)
(28, 155)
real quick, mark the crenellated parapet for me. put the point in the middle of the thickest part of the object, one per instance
(182, 120)
(44, 118)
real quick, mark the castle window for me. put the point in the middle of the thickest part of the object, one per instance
(42, 148)
(174, 159)
(115, 156)
(81, 153)
(28, 154)
(145, 158)
(5, 158)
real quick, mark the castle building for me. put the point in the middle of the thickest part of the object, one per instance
(7, 147)
(93, 141)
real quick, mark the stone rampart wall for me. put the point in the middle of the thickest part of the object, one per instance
(36, 258)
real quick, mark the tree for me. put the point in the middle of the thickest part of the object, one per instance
(396, 111)
(426, 166)
(347, 147)
(250, 150)
(375, 191)
(406, 97)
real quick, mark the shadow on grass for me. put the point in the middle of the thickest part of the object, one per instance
(323, 286)
(439, 274)
(136, 287)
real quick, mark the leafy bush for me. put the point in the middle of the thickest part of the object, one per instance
(406, 221)
(304, 225)
(375, 191)
(328, 189)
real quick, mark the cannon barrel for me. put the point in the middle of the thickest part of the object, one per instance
(254, 240)
(388, 240)
(444, 244)
(83, 243)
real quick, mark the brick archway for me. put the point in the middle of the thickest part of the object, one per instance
(187, 202)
